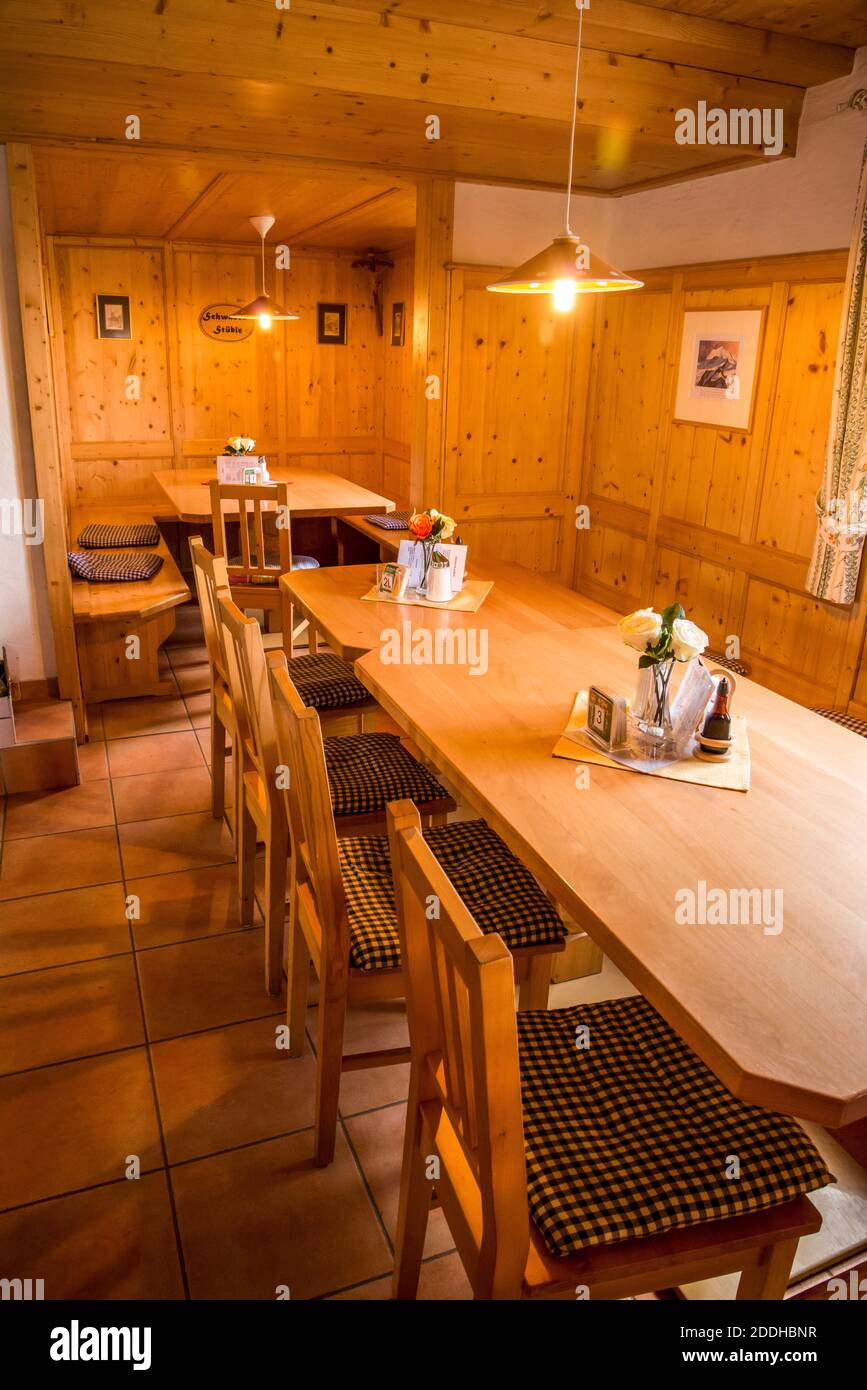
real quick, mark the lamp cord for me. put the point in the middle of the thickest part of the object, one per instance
(264, 293)
(574, 119)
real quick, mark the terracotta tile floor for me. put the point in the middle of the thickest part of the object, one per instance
(136, 1038)
(152, 1040)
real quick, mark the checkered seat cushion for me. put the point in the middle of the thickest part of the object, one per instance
(103, 535)
(272, 559)
(501, 894)
(114, 566)
(848, 721)
(740, 668)
(366, 771)
(631, 1135)
(325, 682)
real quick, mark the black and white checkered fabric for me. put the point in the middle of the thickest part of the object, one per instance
(324, 681)
(103, 535)
(389, 521)
(501, 894)
(114, 566)
(633, 1135)
(740, 668)
(366, 771)
(848, 721)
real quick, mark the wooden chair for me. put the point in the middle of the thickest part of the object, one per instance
(342, 915)
(265, 548)
(357, 764)
(212, 584)
(612, 1147)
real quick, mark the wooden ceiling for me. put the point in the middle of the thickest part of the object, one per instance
(140, 193)
(351, 82)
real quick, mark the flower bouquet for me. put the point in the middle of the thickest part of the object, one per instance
(239, 444)
(429, 528)
(662, 639)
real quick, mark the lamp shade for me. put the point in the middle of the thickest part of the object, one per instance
(263, 304)
(566, 265)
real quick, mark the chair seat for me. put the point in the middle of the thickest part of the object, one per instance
(632, 1135)
(848, 721)
(324, 681)
(272, 558)
(501, 894)
(366, 771)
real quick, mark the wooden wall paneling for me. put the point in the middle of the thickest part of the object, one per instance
(397, 380)
(509, 459)
(44, 422)
(667, 393)
(434, 232)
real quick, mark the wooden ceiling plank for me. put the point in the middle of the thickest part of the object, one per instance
(632, 29)
(352, 53)
(216, 189)
(826, 21)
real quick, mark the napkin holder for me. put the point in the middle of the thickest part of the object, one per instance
(242, 468)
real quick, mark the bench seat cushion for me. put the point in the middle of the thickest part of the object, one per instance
(100, 535)
(501, 894)
(114, 566)
(627, 1133)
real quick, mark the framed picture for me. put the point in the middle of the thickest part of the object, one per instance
(718, 358)
(397, 325)
(112, 316)
(331, 323)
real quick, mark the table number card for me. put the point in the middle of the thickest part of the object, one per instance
(606, 718)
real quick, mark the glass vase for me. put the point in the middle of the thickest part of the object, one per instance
(427, 548)
(652, 710)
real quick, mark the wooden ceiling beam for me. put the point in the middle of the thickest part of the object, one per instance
(206, 199)
(632, 29)
(255, 119)
(352, 52)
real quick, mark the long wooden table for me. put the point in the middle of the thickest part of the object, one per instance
(312, 492)
(519, 603)
(781, 1018)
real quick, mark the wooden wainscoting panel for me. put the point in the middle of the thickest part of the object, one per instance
(629, 380)
(800, 418)
(613, 566)
(704, 589)
(797, 634)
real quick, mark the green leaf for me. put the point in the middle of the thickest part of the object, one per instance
(671, 614)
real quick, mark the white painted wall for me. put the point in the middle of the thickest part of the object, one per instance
(790, 205)
(25, 623)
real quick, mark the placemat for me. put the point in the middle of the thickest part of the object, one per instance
(732, 775)
(469, 600)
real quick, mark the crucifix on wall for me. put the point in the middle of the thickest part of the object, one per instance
(377, 264)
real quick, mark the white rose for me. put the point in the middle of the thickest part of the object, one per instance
(687, 640)
(641, 629)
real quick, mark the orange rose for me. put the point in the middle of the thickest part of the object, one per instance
(420, 525)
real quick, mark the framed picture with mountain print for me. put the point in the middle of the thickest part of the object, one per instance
(719, 355)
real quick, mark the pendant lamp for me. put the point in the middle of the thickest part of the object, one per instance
(567, 267)
(263, 307)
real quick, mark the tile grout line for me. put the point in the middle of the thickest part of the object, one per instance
(152, 1074)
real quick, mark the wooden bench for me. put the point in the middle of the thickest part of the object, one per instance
(386, 541)
(108, 615)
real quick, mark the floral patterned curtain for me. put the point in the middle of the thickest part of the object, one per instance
(841, 502)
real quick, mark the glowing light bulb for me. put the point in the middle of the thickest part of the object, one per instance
(564, 295)
(264, 320)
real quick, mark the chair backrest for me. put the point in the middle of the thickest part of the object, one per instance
(254, 505)
(311, 819)
(212, 584)
(460, 994)
(251, 691)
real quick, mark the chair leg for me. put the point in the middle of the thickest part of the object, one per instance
(299, 976)
(769, 1279)
(276, 862)
(329, 1045)
(246, 851)
(533, 991)
(416, 1191)
(218, 764)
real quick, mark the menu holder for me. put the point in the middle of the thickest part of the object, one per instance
(411, 554)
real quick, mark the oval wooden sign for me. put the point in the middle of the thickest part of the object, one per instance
(216, 322)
